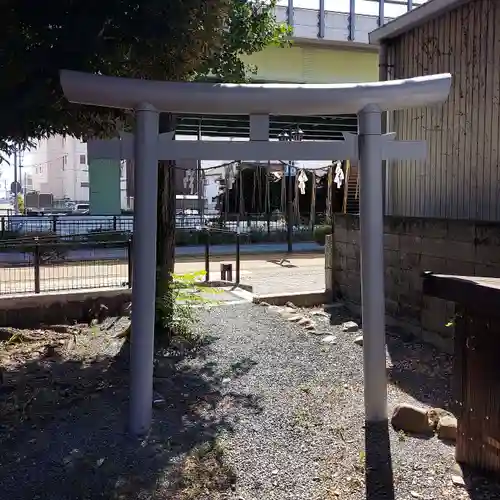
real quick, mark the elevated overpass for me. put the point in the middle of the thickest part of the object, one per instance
(329, 45)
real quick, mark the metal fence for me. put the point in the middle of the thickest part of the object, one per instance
(69, 225)
(39, 265)
(42, 265)
(92, 256)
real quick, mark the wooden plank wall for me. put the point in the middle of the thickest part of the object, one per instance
(460, 178)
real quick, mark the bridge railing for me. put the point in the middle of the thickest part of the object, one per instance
(340, 20)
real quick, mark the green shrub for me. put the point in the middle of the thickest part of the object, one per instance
(175, 311)
(320, 233)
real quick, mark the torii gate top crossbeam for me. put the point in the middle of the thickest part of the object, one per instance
(247, 99)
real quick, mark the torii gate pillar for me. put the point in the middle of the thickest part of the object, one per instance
(371, 220)
(368, 100)
(143, 272)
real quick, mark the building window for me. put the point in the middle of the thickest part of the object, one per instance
(64, 162)
(83, 160)
(84, 184)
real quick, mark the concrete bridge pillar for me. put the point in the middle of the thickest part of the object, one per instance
(104, 187)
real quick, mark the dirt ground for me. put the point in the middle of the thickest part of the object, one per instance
(259, 410)
(66, 388)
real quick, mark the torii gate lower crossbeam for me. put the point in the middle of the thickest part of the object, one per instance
(258, 101)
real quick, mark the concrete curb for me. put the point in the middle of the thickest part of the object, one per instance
(33, 310)
(300, 299)
(229, 284)
(66, 307)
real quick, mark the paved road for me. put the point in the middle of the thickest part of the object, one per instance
(304, 273)
(192, 251)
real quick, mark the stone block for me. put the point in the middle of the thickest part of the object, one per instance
(392, 258)
(351, 222)
(351, 251)
(487, 233)
(459, 230)
(352, 237)
(340, 277)
(340, 262)
(460, 250)
(391, 306)
(395, 225)
(409, 310)
(447, 428)
(437, 265)
(486, 271)
(339, 222)
(434, 228)
(340, 248)
(391, 241)
(459, 267)
(435, 247)
(393, 277)
(487, 254)
(410, 243)
(340, 234)
(411, 419)
(437, 340)
(414, 280)
(435, 315)
(410, 260)
(29, 311)
(352, 265)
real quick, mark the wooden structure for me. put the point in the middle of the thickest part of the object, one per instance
(476, 365)
(351, 189)
(459, 178)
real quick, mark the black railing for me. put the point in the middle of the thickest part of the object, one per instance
(47, 261)
(259, 227)
(42, 265)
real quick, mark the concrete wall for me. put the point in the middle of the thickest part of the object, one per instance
(81, 306)
(412, 246)
(303, 63)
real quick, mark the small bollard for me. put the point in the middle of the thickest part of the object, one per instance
(226, 272)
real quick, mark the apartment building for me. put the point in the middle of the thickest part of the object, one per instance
(59, 167)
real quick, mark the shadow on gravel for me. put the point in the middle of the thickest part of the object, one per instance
(480, 486)
(338, 315)
(420, 370)
(63, 430)
(378, 462)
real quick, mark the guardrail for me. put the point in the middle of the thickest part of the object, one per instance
(340, 21)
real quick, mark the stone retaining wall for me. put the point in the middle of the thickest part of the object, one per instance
(412, 246)
(32, 311)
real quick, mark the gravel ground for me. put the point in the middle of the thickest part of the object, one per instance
(264, 410)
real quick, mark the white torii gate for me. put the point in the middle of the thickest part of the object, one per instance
(146, 146)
